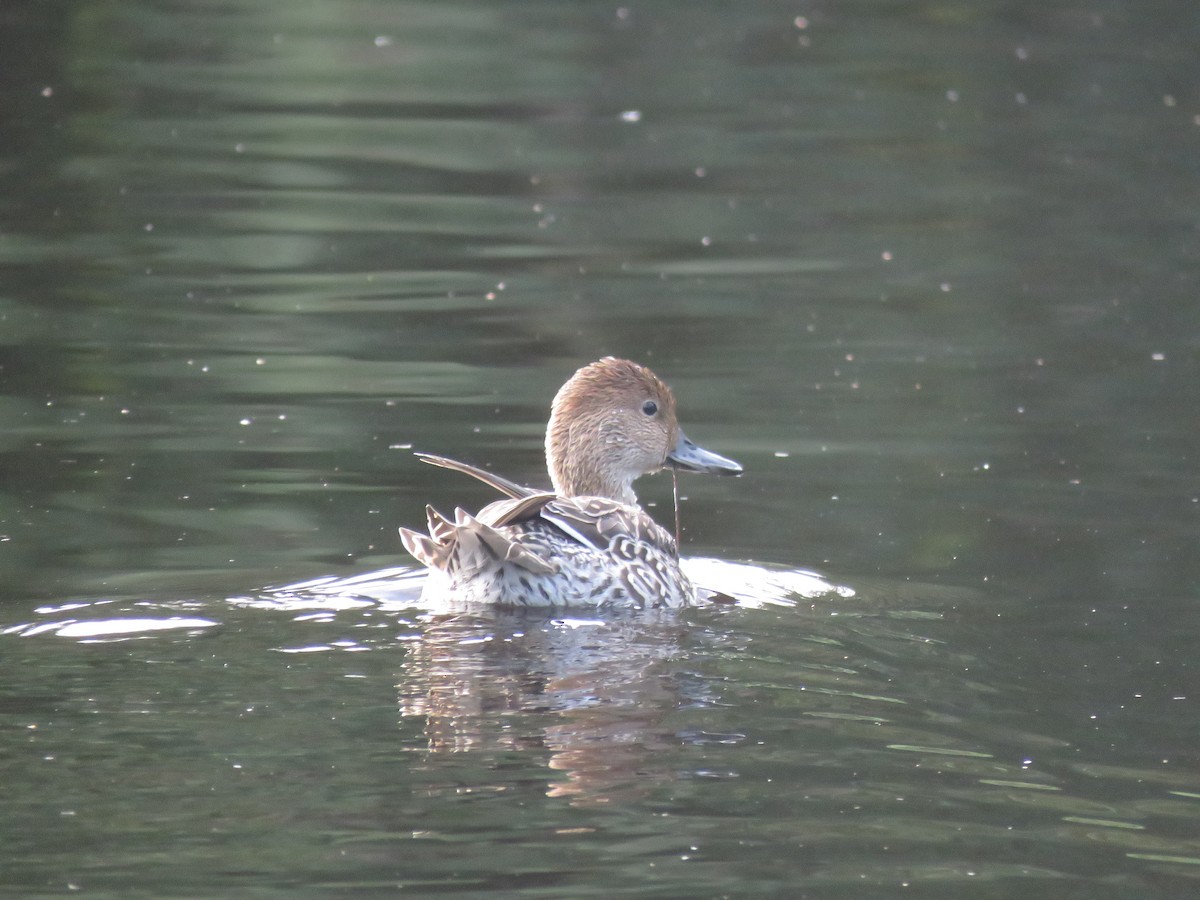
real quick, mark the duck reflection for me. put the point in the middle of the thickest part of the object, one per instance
(590, 689)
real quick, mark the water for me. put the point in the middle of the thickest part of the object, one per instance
(927, 271)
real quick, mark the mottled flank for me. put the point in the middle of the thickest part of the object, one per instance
(587, 543)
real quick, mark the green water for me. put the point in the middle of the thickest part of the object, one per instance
(928, 271)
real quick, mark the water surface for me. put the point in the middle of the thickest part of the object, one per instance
(927, 270)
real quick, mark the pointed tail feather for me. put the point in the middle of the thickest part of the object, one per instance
(424, 550)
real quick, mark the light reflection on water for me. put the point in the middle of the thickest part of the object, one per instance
(778, 710)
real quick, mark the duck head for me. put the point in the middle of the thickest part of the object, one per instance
(613, 422)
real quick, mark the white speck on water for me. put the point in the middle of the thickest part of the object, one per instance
(631, 115)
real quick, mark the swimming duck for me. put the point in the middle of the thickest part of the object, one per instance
(587, 542)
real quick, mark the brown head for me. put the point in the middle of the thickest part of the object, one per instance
(613, 422)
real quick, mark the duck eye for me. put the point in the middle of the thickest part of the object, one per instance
(650, 407)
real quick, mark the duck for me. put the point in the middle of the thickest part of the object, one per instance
(585, 542)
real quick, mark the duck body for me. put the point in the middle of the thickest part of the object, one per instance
(587, 543)
(540, 549)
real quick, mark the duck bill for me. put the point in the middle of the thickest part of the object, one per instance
(688, 457)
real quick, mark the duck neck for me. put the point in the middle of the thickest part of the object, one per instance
(582, 478)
